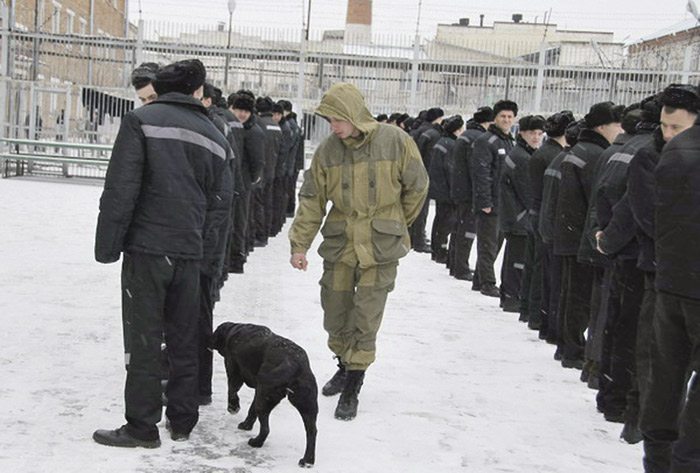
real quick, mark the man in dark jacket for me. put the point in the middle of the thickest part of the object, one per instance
(242, 105)
(489, 151)
(670, 419)
(577, 176)
(279, 214)
(142, 80)
(426, 138)
(462, 194)
(273, 138)
(548, 214)
(537, 289)
(439, 188)
(168, 234)
(295, 162)
(515, 199)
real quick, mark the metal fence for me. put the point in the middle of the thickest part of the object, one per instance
(75, 87)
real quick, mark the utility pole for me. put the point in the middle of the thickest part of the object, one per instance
(231, 8)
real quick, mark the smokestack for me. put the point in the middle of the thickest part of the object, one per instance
(358, 22)
(481, 20)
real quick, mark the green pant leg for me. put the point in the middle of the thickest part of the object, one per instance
(337, 291)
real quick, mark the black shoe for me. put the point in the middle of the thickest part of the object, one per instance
(469, 276)
(615, 417)
(121, 438)
(348, 402)
(558, 355)
(476, 287)
(204, 400)
(422, 249)
(575, 364)
(260, 243)
(336, 384)
(490, 290)
(236, 269)
(631, 433)
(176, 436)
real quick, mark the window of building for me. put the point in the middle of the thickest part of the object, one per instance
(70, 21)
(82, 28)
(56, 18)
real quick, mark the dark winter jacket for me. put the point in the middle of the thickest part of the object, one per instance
(489, 151)
(217, 116)
(416, 132)
(678, 216)
(253, 162)
(550, 197)
(168, 185)
(588, 252)
(441, 169)
(614, 214)
(297, 141)
(286, 152)
(427, 140)
(641, 198)
(461, 189)
(537, 165)
(515, 197)
(273, 138)
(577, 176)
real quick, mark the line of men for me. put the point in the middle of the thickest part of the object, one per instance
(597, 223)
(194, 184)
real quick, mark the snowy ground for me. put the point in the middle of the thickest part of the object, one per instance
(458, 385)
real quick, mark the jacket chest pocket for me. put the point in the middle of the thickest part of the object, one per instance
(334, 240)
(387, 240)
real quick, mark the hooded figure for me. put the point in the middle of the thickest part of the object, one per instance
(373, 175)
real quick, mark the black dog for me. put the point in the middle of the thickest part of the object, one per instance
(275, 367)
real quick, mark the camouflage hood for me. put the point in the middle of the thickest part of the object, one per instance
(344, 102)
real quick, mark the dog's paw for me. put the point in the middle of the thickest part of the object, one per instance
(256, 442)
(306, 464)
(233, 409)
(245, 425)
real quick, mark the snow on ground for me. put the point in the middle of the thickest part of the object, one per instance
(458, 384)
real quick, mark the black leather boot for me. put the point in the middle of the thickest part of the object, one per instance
(347, 404)
(336, 383)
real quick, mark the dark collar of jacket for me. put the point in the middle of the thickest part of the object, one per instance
(475, 126)
(499, 133)
(590, 136)
(555, 143)
(658, 140)
(520, 141)
(265, 114)
(177, 98)
(646, 127)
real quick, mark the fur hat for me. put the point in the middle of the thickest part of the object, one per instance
(505, 105)
(285, 104)
(484, 115)
(602, 113)
(556, 124)
(144, 74)
(453, 124)
(183, 76)
(382, 117)
(572, 131)
(683, 96)
(630, 120)
(531, 122)
(433, 114)
(650, 108)
(242, 102)
(277, 108)
(264, 104)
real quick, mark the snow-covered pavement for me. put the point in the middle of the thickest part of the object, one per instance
(458, 385)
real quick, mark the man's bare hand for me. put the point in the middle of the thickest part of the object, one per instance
(598, 235)
(486, 210)
(298, 261)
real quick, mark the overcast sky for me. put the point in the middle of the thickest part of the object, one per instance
(628, 19)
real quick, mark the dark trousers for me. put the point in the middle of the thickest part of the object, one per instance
(257, 214)
(512, 271)
(239, 231)
(461, 240)
(279, 205)
(552, 279)
(206, 322)
(531, 295)
(292, 193)
(670, 419)
(488, 243)
(160, 295)
(621, 335)
(417, 228)
(268, 207)
(442, 225)
(645, 331)
(575, 306)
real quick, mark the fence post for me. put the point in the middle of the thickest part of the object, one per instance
(540, 78)
(138, 55)
(4, 57)
(414, 75)
(300, 77)
(686, 64)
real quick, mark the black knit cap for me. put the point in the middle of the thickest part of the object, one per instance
(453, 124)
(651, 109)
(484, 115)
(572, 131)
(505, 105)
(556, 124)
(242, 102)
(183, 76)
(683, 96)
(433, 114)
(602, 113)
(264, 104)
(144, 74)
(531, 122)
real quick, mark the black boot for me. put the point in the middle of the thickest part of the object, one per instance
(347, 404)
(336, 383)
